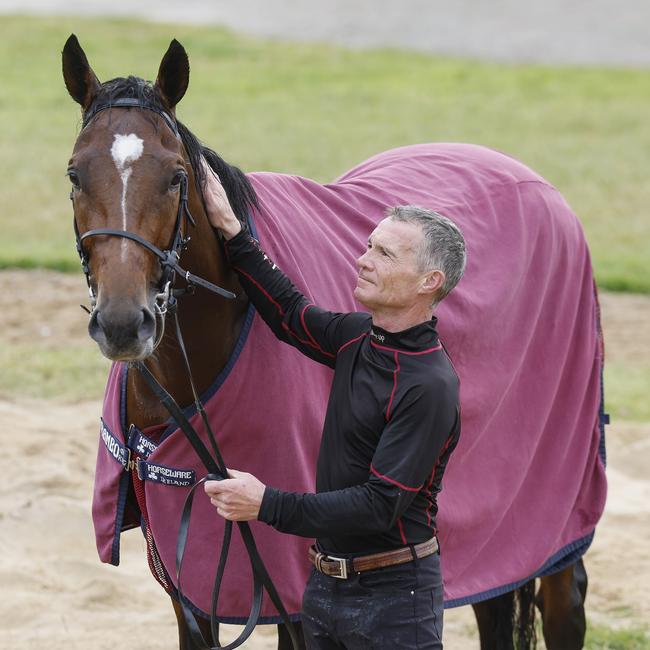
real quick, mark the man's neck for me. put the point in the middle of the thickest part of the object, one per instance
(397, 321)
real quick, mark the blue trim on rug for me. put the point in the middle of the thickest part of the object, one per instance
(125, 375)
(251, 225)
(190, 410)
(574, 552)
(603, 418)
(564, 557)
(210, 392)
(119, 516)
(125, 479)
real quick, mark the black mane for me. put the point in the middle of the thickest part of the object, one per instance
(238, 188)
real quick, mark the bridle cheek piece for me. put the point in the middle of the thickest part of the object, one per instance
(169, 258)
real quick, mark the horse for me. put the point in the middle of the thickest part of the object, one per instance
(528, 292)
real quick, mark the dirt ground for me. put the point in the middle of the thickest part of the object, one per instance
(57, 595)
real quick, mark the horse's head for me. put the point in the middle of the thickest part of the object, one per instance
(129, 171)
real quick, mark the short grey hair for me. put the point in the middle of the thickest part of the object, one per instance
(443, 246)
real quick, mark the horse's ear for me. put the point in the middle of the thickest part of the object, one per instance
(173, 74)
(80, 80)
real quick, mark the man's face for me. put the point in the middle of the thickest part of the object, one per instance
(388, 270)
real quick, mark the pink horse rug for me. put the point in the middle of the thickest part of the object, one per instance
(526, 485)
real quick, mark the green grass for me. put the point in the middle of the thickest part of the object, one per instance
(317, 110)
(66, 373)
(599, 637)
(626, 392)
(602, 638)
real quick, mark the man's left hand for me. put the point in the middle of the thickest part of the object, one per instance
(237, 498)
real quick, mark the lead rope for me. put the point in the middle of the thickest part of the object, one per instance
(216, 471)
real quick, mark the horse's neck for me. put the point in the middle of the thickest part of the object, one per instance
(210, 326)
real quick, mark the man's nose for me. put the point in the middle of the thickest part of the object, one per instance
(362, 262)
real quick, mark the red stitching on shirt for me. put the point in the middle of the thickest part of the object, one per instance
(261, 288)
(394, 482)
(401, 530)
(289, 331)
(428, 510)
(433, 473)
(356, 338)
(304, 326)
(286, 328)
(390, 401)
(413, 354)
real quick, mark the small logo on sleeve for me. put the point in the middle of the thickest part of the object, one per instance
(270, 261)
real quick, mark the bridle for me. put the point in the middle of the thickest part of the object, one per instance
(165, 303)
(168, 258)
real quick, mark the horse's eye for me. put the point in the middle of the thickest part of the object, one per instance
(176, 180)
(74, 179)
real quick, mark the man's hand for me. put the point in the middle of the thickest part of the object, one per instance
(220, 213)
(237, 498)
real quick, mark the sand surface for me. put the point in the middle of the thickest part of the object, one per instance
(56, 594)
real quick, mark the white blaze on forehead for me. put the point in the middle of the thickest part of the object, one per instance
(126, 149)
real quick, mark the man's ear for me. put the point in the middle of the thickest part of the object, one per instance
(80, 80)
(432, 283)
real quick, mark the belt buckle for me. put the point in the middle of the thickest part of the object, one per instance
(343, 567)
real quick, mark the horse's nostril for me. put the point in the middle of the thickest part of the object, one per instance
(95, 328)
(122, 329)
(147, 327)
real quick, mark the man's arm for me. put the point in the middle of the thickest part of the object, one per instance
(316, 332)
(420, 431)
(410, 445)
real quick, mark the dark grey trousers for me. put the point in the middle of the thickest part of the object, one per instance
(397, 607)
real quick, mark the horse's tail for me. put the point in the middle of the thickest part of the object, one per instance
(512, 620)
(523, 618)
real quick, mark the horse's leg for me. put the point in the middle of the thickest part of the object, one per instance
(561, 599)
(184, 638)
(494, 619)
(507, 622)
(284, 640)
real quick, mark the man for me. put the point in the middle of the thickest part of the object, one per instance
(392, 422)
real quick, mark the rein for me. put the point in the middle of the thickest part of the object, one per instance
(212, 459)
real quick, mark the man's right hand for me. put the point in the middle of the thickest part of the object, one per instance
(220, 213)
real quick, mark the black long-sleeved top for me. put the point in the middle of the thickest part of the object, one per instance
(392, 418)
